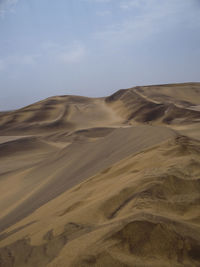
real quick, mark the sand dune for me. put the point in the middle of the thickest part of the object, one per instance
(156, 104)
(102, 181)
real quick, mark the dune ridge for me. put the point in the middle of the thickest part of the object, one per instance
(110, 181)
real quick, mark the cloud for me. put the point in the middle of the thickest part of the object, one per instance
(103, 13)
(131, 3)
(98, 1)
(72, 53)
(18, 60)
(28, 59)
(2, 65)
(7, 6)
(50, 51)
(102, 1)
(149, 17)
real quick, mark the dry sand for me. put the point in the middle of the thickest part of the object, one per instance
(102, 182)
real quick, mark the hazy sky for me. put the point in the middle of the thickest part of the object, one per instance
(94, 47)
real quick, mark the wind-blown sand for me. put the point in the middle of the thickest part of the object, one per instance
(109, 181)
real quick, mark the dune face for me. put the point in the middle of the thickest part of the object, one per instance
(111, 181)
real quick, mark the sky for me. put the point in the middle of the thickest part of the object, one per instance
(94, 47)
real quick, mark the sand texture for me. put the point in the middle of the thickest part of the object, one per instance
(111, 181)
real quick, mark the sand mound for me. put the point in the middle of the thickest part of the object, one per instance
(102, 182)
(57, 114)
(158, 104)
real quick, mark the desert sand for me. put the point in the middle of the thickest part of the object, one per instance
(111, 181)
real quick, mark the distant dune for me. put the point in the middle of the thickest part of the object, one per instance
(111, 181)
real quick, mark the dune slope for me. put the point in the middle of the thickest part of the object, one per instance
(111, 181)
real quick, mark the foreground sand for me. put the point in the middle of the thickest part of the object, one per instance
(102, 182)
